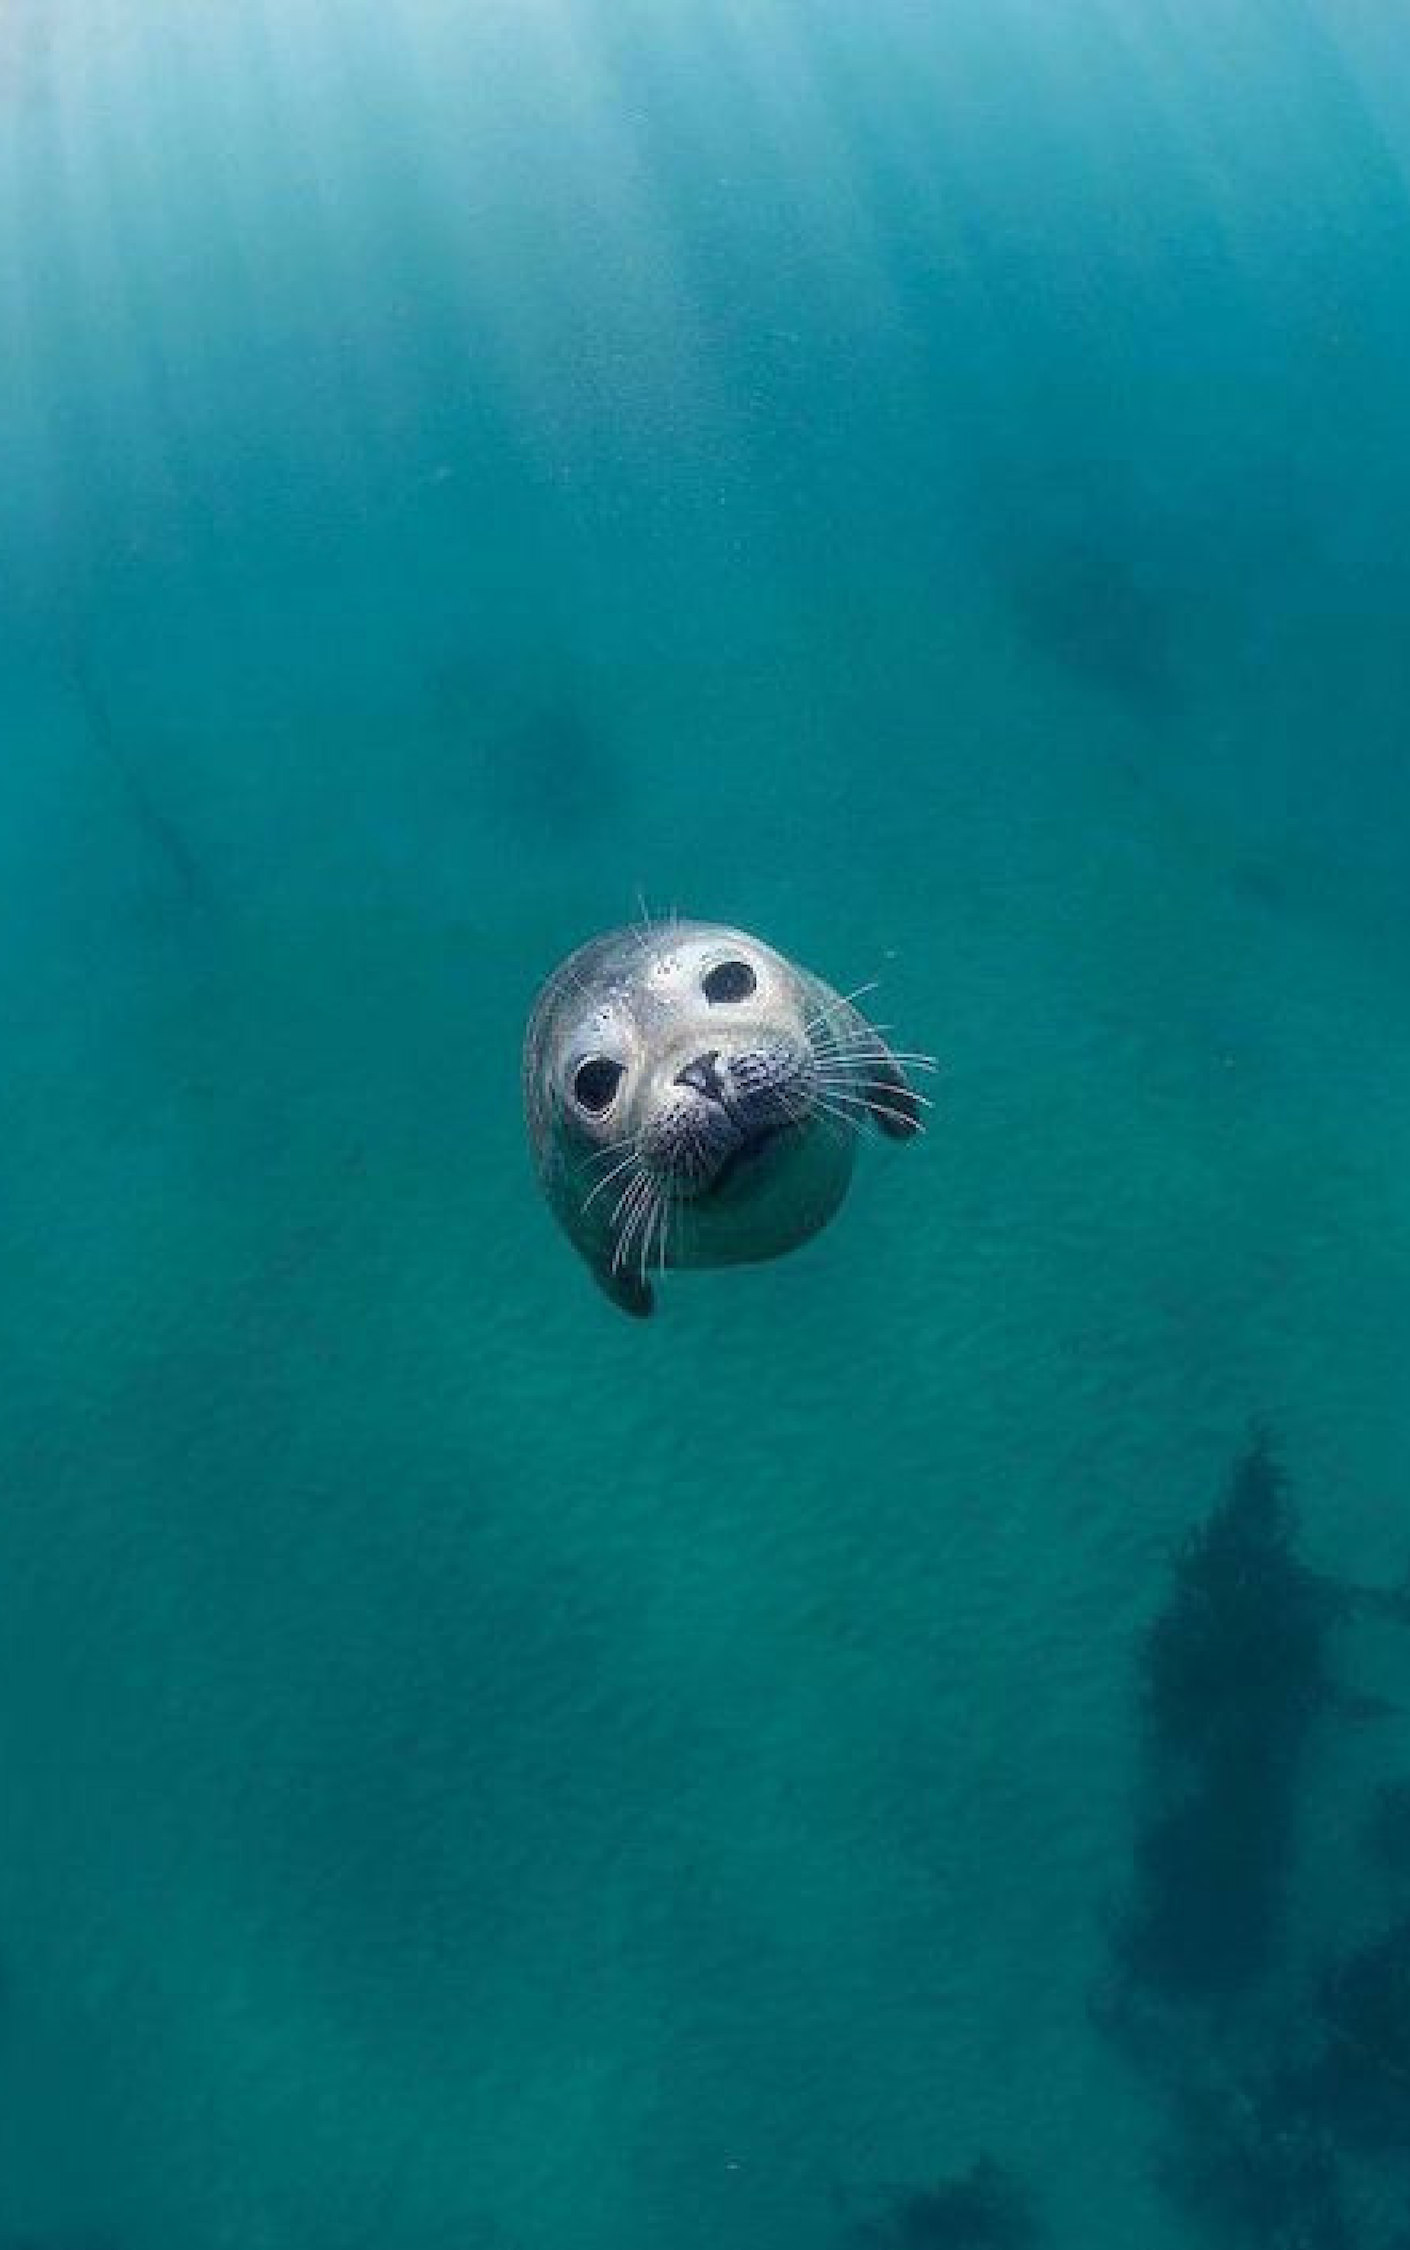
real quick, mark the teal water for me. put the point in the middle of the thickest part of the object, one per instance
(928, 484)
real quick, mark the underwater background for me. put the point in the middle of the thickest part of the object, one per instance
(908, 1748)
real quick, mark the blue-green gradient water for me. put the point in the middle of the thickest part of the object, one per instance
(929, 483)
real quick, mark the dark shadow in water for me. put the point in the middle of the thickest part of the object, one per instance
(1142, 583)
(1235, 1673)
(1082, 602)
(982, 2209)
(1358, 2084)
(1288, 2109)
(1254, 2177)
(531, 760)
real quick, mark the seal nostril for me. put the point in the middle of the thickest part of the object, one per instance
(703, 1075)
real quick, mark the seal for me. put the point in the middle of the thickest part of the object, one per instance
(694, 1098)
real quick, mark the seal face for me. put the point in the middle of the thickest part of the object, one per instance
(693, 1098)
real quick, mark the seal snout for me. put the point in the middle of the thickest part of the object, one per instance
(723, 1107)
(704, 1076)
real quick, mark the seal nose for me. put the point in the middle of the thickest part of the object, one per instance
(704, 1076)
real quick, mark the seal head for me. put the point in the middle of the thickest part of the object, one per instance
(693, 1099)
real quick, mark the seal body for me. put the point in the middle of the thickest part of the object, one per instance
(693, 1098)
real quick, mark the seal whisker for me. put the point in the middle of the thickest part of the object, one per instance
(869, 1106)
(843, 1000)
(851, 1065)
(646, 1217)
(874, 1086)
(600, 1155)
(608, 1178)
(828, 1105)
(641, 1221)
(852, 1125)
(640, 1206)
(926, 1063)
(860, 1090)
(577, 980)
(637, 1196)
(838, 1126)
(651, 1212)
(656, 1217)
(871, 1037)
(611, 1148)
(798, 1109)
(668, 1210)
(699, 1165)
(650, 926)
(676, 1216)
(620, 1205)
(880, 1058)
(902, 1116)
(861, 1047)
(628, 1196)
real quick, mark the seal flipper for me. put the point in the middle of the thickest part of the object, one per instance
(626, 1290)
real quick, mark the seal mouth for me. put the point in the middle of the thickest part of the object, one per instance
(718, 1121)
(746, 1153)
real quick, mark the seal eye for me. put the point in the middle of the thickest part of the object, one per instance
(595, 1082)
(728, 980)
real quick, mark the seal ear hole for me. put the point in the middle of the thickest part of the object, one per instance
(595, 1082)
(728, 980)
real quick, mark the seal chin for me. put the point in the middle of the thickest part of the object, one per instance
(745, 1155)
(721, 1148)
